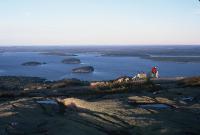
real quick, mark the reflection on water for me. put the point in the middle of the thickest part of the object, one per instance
(48, 101)
(155, 106)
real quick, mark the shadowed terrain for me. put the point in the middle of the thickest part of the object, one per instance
(159, 106)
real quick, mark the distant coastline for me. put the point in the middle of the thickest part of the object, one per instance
(109, 62)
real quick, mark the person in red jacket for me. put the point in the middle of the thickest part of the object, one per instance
(154, 72)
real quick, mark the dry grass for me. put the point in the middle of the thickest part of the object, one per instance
(193, 82)
(69, 82)
(116, 87)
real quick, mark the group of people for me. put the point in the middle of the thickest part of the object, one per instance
(152, 74)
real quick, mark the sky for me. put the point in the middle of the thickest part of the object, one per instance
(99, 22)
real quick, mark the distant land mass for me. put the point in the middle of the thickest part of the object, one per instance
(71, 61)
(175, 53)
(85, 69)
(33, 63)
(57, 54)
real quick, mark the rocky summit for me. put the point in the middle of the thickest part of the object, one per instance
(143, 107)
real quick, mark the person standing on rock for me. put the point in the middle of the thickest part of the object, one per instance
(154, 72)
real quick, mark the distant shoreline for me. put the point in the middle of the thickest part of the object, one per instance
(169, 58)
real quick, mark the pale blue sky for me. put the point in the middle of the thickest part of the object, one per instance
(99, 22)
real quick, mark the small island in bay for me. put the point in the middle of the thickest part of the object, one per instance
(85, 69)
(71, 61)
(33, 63)
(57, 54)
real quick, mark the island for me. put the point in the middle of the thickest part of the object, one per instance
(71, 61)
(33, 63)
(57, 54)
(85, 69)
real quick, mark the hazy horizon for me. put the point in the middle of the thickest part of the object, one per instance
(99, 22)
(97, 45)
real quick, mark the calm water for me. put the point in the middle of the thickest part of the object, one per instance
(105, 67)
